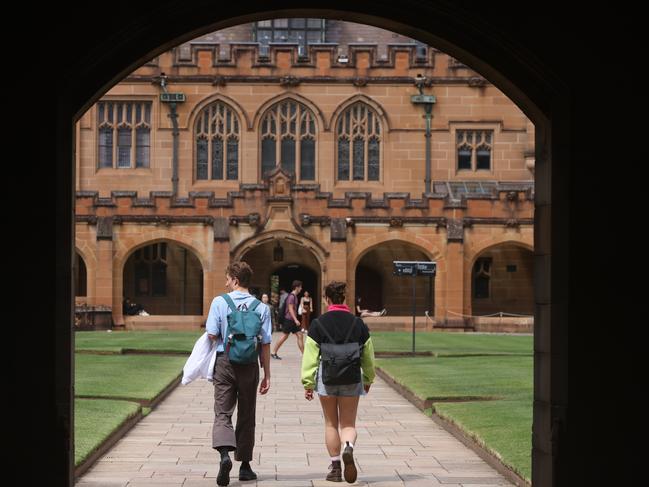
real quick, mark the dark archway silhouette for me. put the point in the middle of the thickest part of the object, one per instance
(540, 60)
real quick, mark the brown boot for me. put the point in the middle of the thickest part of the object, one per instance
(335, 472)
(350, 467)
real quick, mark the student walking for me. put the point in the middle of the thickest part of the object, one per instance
(339, 383)
(235, 377)
(291, 323)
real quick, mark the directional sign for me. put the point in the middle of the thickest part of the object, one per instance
(422, 99)
(414, 267)
(172, 97)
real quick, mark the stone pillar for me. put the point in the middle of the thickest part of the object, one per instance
(215, 275)
(336, 269)
(104, 295)
(454, 283)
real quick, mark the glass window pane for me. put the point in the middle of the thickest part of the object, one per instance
(343, 160)
(106, 147)
(267, 156)
(373, 165)
(288, 155)
(201, 159)
(314, 23)
(264, 23)
(481, 288)
(280, 23)
(358, 163)
(297, 23)
(124, 147)
(233, 159)
(159, 279)
(464, 158)
(307, 159)
(483, 158)
(280, 36)
(217, 158)
(143, 147)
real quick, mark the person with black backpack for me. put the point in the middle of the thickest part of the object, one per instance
(241, 326)
(338, 363)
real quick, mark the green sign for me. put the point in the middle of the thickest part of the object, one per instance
(172, 97)
(422, 99)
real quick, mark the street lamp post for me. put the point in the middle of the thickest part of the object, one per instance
(427, 101)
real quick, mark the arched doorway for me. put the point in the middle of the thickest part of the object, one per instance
(378, 288)
(530, 80)
(502, 281)
(165, 278)
(80, 276)
(276, 263)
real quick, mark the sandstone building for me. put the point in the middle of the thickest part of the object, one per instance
(294, 144)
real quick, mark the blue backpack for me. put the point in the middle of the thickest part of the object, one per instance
(244, 333)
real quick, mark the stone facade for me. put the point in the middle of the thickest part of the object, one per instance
(338, 229)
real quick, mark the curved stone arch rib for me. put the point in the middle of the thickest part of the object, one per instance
(123, 254)
(471, 258)
(418, 243)
(361, 98)
(321, 123)
(214, 98)
(316, 249)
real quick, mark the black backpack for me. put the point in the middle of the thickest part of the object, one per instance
(341, 362)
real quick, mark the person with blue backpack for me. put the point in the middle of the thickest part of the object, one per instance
(241, 327)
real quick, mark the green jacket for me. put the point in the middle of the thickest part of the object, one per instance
(311, 361)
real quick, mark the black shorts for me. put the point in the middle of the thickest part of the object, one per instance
(289, 326)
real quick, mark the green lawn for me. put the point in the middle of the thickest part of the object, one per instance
(95, 420)
(147, 341)
(125, 376)
(495, 368)
(449, 343)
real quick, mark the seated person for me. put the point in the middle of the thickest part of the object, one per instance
(364, 313)
(131, 309)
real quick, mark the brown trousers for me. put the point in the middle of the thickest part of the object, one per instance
(235, 384)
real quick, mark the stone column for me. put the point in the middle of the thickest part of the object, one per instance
(104, 295)
(454, 282)
(337, 261)
(215, 274)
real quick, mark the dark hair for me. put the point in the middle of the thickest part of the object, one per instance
(335, 291)
(296, 284)
(240, 271)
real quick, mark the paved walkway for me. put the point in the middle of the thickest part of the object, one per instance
(397, 445)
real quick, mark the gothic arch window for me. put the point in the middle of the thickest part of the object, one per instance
(474, 149)
(288, 138)
(217, 136)
(151, 270)
(124, 130)
(482, 278)
(358, 138)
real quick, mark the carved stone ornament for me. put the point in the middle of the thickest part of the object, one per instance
(338, 230)
(306, 219)
(396, 222)
(359, 81)
(289, 81)
(454, 230)
(512, 195)
(477, 82)
(218, 81)
(105, 228)
(254, 219)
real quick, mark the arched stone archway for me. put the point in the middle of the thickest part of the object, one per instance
(394, 293)
(165, 278)
(299, 258)
(539, 82)
(80, 276)
(501, 280)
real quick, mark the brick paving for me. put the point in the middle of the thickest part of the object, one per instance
(397, 445)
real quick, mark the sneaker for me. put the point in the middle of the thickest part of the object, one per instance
(246, 473)
(275, 356)
(383, 312)
(335, 472)
(223, 477)
(350, 467)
